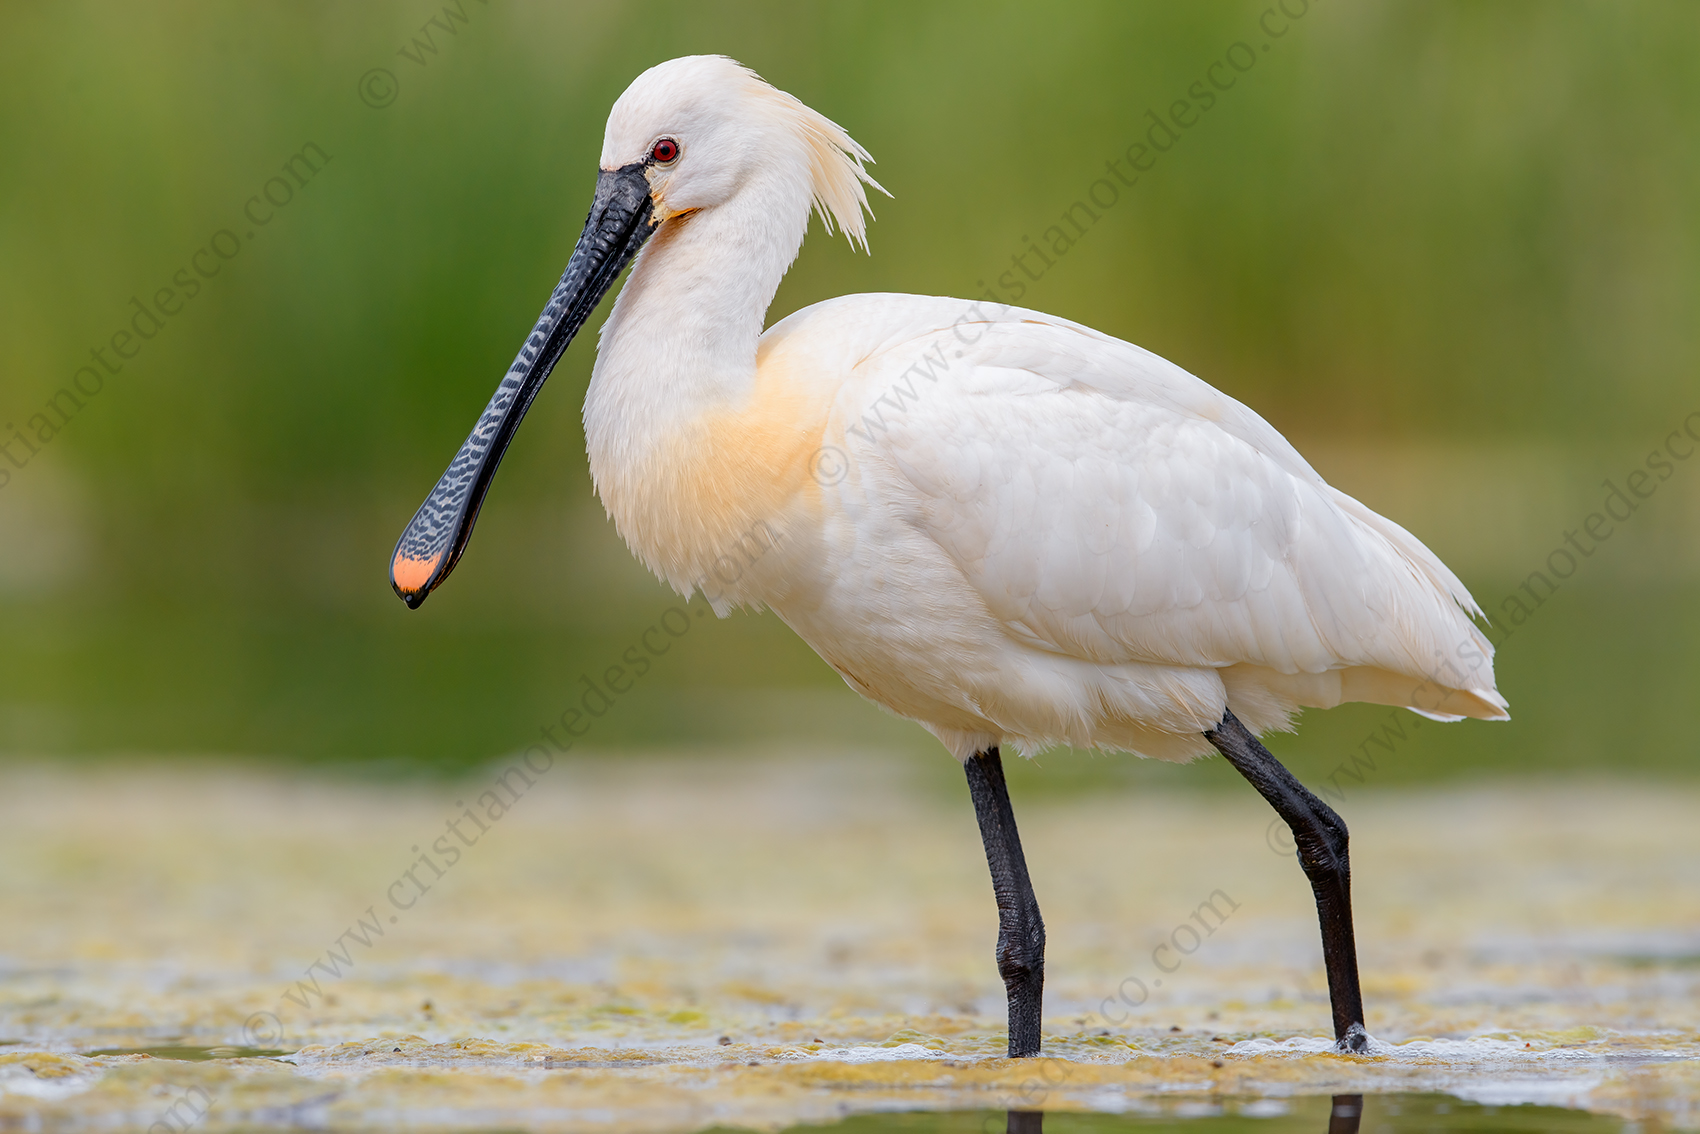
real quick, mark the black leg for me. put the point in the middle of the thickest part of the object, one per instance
(1021, 932)
(1321, 838)
(1025, 1122)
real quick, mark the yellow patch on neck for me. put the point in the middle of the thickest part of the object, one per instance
(697, 494)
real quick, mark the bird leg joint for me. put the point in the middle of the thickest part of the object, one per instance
(1322, 846)
(1021, 952)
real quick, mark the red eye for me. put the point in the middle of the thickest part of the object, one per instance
(665, 151)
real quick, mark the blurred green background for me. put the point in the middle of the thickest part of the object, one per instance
(1449, 249)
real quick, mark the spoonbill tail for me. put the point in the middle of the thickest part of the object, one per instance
(1004, 526)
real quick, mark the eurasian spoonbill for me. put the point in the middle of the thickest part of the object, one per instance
(1007, 527)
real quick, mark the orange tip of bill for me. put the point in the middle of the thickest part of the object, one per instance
(410, 575)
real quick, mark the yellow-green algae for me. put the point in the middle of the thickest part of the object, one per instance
(580, 967)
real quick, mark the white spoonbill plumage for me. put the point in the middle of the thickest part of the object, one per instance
(1005, 526)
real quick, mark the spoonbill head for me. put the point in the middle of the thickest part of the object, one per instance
(1005, 526)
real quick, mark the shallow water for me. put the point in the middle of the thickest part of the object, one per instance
(673, 945)
(1344, 1114)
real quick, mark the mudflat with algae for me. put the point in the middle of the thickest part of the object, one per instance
(673, 943)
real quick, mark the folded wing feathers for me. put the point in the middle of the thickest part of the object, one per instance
(1359, 590)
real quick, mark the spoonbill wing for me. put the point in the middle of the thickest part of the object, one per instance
(1107, 505)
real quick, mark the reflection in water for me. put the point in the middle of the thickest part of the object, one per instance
(1206, 1113)
(1343, 1117)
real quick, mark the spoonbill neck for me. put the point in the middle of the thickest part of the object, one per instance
(681, 340)
(690, 447)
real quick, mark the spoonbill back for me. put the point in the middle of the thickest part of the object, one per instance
(1012, 529)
